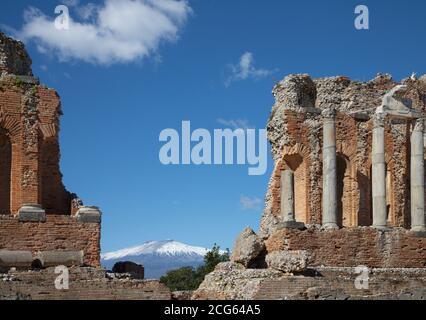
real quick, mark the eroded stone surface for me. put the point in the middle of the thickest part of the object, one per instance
(13, 57)
(248, 247)
(288, 261)
(229, 281)
(323, 284)
(137, 271)
(85, 284)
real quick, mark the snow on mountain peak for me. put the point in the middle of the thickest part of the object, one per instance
(166, 247)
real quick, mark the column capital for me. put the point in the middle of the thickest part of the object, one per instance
(379, 119)
(419, 125)
(329, 113)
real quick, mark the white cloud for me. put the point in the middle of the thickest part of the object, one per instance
(84, 11)
(245, 70)
(116, 31)
(87, 11)
(235, 124)
(248, 203)
(71, 3)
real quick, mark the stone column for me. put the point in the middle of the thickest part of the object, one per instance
(379, 172)
(329, 192)
(417, 178)
(287, 195)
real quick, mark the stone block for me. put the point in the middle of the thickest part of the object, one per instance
(292, 225)
(288, 261)
(32, 213)
(89, 215)
(60, 258)
(135, 270)
(248, 248)
(17, 259)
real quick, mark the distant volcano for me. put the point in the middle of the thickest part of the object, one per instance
(158, 257)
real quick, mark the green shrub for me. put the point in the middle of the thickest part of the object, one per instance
(188, 278)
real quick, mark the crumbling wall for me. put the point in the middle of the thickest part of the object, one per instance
(29, 116)
(30, 177)
(351, 247)
(231, 282)
(14, 59)
(59, 232)
(295, 129)
(84, 284)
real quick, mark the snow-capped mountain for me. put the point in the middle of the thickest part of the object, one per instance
(158, 257)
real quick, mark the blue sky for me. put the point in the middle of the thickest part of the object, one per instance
(117, 102)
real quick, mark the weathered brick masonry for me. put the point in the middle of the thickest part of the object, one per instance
(229, 282)
(397, 248)
(58, 233)
(296, 133)
(347, 192)
(84, 284)
(37, 213)
(42, 225)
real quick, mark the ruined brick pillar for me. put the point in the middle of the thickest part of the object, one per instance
(30, 151)
(40, 221)
(417, 180)
(379, 172)
(329, 215)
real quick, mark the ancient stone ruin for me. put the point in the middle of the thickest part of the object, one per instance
(349, 166)
(347, 191)
(346, 198)
(42, 225)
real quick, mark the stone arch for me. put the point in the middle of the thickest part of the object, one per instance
(11, 128)
(295, 158)
(346, 186)
(36, 264)
(347, 182)
(354, 186)
(11, 124)
(5, 172)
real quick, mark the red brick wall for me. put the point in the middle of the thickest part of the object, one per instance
(29, 118)
(54, 197)
(29, 127)
(350, 247)
(57, 233)
(353, 146)
(84, 284)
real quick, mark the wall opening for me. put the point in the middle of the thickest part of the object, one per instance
(5, 172)
(36, 265)
(296, 163)
(365, 201)
(345, 192)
